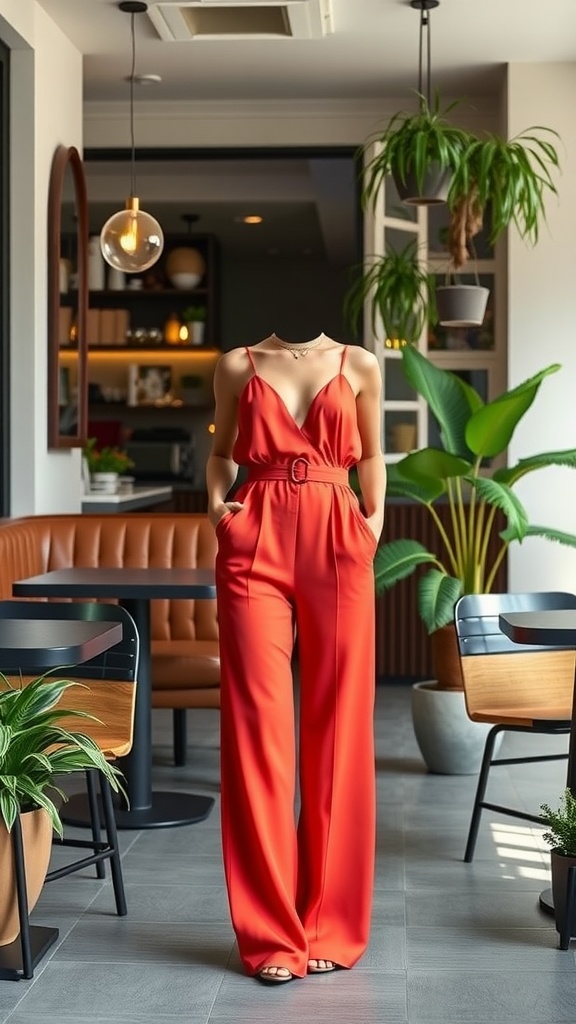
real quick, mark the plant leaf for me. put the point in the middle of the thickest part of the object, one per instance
(533, 462)
(449, 402)
(437, 595)
(398, 559)
(490, 429)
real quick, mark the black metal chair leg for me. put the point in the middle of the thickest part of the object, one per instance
(112, 837)
(180, 738)
(95, 819)
(480, 793)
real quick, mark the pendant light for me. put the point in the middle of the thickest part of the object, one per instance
(132, 240)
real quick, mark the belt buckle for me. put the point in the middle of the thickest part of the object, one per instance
(299, 479)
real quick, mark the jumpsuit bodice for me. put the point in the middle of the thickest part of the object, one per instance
(268, 433)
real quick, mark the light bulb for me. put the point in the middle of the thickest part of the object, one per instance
(131, 240)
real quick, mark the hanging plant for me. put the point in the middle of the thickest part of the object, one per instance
(411, 145)
(510, 178)
(400, 292)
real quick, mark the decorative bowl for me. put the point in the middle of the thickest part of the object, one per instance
(185, 281)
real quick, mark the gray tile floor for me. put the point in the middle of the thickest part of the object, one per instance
(451, 942)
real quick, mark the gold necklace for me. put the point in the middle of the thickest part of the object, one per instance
(297, 350)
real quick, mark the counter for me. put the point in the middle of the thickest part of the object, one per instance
(141, 497)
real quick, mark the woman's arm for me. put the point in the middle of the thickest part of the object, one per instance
(371, 468)
(221, 470)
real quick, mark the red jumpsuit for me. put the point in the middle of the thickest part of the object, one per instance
(298, 555)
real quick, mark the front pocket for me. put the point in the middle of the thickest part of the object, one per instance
(359, 517)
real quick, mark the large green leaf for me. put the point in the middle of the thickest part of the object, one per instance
(549, 533)
(489, 429)
(533, 462)
(398, 486)
(437, 595)
(397, 560)
(449, 401)
(429, 466)
(500, 496)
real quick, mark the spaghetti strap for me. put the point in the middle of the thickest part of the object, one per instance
(251, 358)
(343, 360)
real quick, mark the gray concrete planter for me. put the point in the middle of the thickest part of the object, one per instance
(449, 742)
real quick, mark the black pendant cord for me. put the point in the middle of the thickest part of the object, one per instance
(132, 137)
(425, 27)
(425, 6)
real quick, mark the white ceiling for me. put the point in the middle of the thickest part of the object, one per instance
(372, 52)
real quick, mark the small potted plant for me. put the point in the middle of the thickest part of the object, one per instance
(105, 465)
(195, 319)
(35, 749)
(561, 836)
(400, 292)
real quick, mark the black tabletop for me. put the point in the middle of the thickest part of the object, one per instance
(122, 583)
(48, 643)
(557, 628)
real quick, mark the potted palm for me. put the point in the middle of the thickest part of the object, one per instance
(35, 749)
(459, 475)
(400, 293)
(561, 836)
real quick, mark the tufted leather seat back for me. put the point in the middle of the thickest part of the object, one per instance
(36, 544)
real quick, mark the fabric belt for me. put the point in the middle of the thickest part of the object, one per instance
(300, 471)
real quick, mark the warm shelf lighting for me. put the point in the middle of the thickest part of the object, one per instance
(132, 240)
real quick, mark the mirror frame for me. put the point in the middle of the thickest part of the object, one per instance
(67, 157)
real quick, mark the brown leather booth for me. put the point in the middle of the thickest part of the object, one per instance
(185, 651)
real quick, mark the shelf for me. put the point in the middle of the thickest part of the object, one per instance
(184, 350)
(150, 407)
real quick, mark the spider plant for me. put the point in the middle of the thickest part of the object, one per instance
(471, 433)
(400, 293)
(35, 748)
(511, 178)
(410, 144)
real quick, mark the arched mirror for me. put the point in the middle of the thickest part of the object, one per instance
(67, 301)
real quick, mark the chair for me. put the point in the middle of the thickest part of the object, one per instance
(517, 688)
(111, 696)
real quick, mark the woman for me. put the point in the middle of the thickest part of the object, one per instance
(295, 559)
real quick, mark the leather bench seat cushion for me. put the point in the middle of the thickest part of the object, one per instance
(182, 664)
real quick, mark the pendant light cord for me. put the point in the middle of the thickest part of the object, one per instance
(132, 138)
(425, 27)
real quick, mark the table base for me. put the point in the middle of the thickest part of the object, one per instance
(11, 966)
(168, 810)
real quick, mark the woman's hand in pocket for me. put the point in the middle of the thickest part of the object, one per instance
(223, 509)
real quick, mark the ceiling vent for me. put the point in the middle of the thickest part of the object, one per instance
(184, 20)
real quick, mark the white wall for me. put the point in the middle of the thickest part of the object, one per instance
(46, 110)
(256, 123)
(542, 330)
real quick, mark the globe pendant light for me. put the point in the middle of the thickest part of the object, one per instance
(132, 240)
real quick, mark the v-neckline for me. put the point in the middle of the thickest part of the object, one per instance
(299, 426)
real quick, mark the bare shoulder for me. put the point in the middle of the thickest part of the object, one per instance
(364, 366)
(232, 370)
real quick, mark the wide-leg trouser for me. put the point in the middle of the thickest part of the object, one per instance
(300, 558)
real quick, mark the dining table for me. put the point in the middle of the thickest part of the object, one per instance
(554, 628)
(33, 645)
(134, 589)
